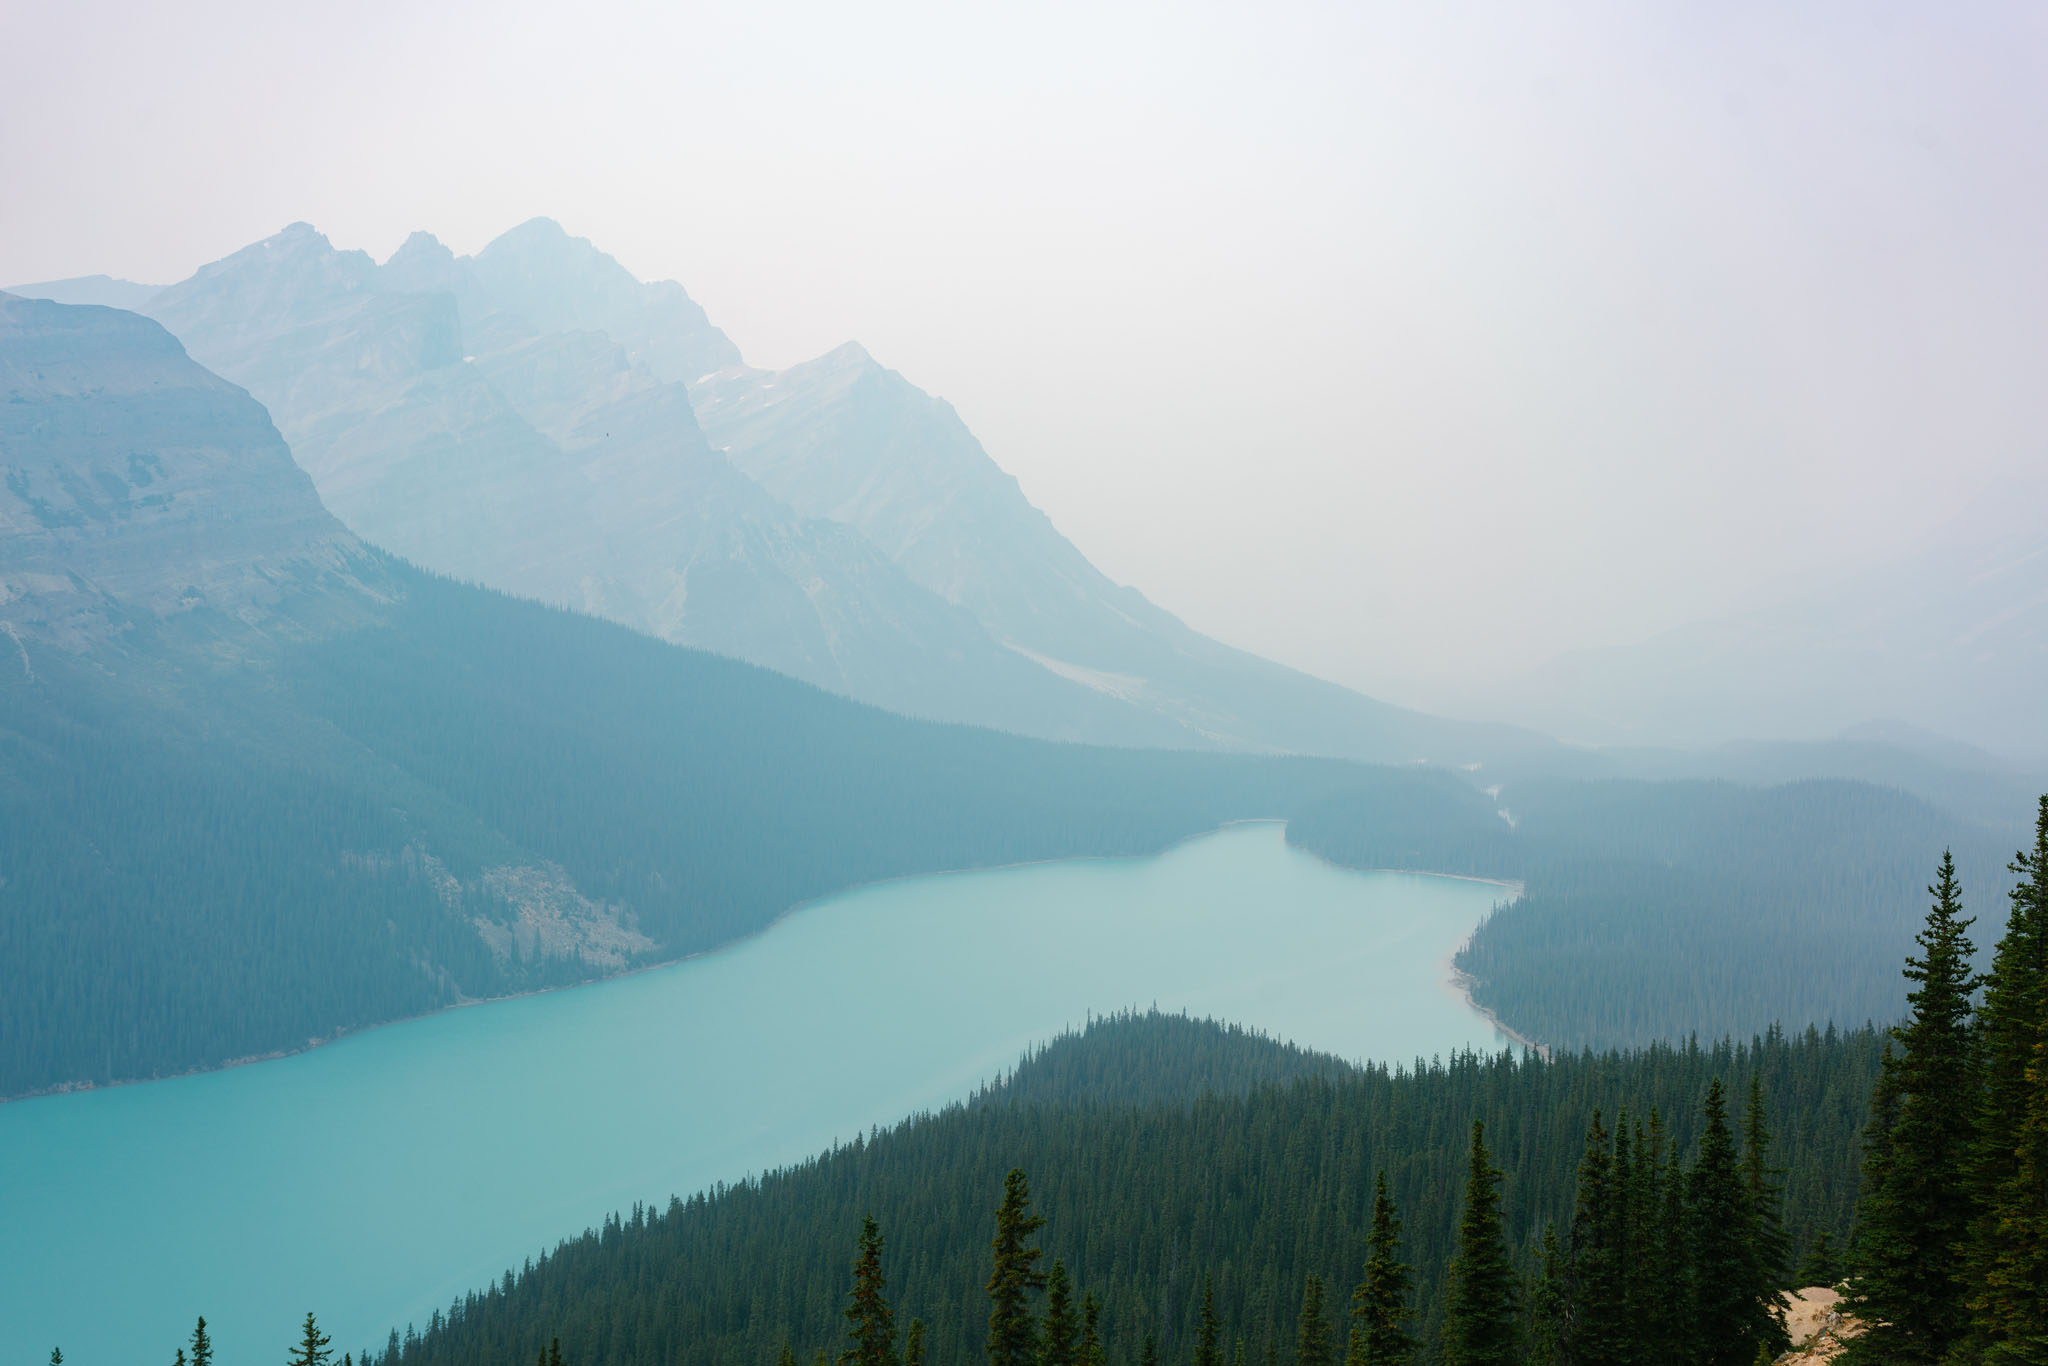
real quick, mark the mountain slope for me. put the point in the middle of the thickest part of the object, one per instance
(845, 438)
(260, 784)
(442, 422)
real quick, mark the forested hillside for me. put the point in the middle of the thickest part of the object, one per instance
(478, 796)
(1668, 909)
(260, 784)
(1258, 1172)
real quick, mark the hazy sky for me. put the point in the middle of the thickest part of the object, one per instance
(1400, 342)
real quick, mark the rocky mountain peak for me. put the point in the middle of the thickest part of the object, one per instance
(137, 485)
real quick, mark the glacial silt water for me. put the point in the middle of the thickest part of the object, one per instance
(375, 1179)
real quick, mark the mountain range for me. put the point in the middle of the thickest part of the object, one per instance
(535, 419)
(262, 783)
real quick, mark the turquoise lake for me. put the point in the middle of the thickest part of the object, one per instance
(379, 1177)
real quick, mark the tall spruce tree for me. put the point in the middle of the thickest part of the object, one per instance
(1668, 1333)
(1092, 1352)
(1725, 1304)
(870, 1323)
(202, 1345)
(1481, 1325)
(1549, 1303)
(1012, 1332)
(1379, 1307)
(1061, 1334)
(1915, 1212)
(2016, 1283)
(1209, 1332)
(312, 1346)
(1769, 1250)
(1597, 1295)
(1312, 1331)
(1148, 1351)
(913, 1344)
(787, 1357)
(2006, 1165)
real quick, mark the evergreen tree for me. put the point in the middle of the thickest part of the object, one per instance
(1638, 1200)
(1092, 1352)
(1916, 1211)
(1725, 1304)
(312, 1346)
(1148, 1354)
(179, 1359)
(1668, 1333)
(1550, 1322)
(1312, 1333)
(202, 1345)
(56, 1356)
(1480, 1326)
(1769, 1250)
(1012, 1335)
(913, 1344)
(1818, 1266)
(1380, 1304)
(1209, 1333)
(554, 1353)
(788, 1356)
(1597, 1293)
(871, 1324)
(1061, 1333)
(2007, 1166)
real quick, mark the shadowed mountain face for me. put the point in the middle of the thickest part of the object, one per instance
(533, 418)
(260, 783)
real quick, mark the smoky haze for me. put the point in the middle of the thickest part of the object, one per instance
(1405, 344)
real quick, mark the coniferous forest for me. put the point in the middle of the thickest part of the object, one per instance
(1167, 1190)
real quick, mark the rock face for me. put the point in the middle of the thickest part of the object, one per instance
(138, 487)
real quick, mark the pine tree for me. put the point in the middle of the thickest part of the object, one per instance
(871, 1324)
(1480, 1324)
(1598, 1295)
(1061, 1332)
(1380, 1304)
(1209, 1333)
(1668, 1333)
(312, 1347)
(202, 1345)
(554, 1353)
(913, 1344)
(1818, 1266)
(56, 1356)
(1148, 1354)
(1012, 1335)
(2008, 1169)
(788, 1356)
(1724, 1297)
(1915, 1213)
(1763, 1201)
(1549, 1314)
(179, 1359)
(1312, 1334)
(1092, 1352)
(2016, 1283)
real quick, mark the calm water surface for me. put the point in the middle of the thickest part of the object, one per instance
(375, 1179)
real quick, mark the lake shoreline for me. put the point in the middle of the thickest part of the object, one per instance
(73, 1088)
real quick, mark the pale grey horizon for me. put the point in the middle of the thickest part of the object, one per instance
(1403, 344)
